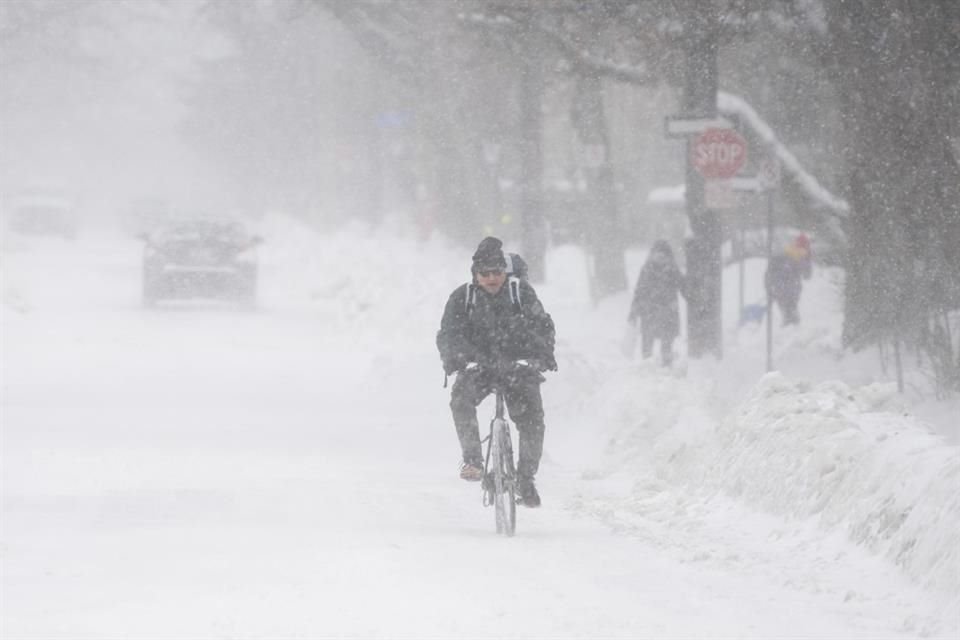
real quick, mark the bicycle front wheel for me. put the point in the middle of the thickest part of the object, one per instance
(504, 479)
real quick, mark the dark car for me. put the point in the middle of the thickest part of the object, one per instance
(200, 259)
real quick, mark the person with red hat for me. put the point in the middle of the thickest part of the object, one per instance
(784, 276)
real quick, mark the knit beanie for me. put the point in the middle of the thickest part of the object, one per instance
(489, 256)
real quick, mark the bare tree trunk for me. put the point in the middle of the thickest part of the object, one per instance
(898, 110)
(703, 250)
(531, 166)
(607, 238)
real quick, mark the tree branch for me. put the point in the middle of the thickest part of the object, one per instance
(370, 34)
(582, 60)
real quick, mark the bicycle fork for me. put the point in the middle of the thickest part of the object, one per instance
(499, 452)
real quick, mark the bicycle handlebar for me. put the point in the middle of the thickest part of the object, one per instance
(505, 366)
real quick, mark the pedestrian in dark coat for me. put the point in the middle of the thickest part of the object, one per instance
(488, 326)
(655, 301)
(784, 276)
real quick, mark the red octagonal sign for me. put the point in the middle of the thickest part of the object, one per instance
(719, 153)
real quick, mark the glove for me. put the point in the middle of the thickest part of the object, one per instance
(548, 364)
(452, 366)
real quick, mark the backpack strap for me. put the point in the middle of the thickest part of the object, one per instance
(514, 284)
(470, 298)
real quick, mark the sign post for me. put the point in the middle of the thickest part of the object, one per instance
(769, 177)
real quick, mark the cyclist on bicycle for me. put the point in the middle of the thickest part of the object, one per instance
(495, 332)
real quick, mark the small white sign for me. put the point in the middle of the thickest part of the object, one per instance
(718, 194)
(747, 184)
(768, 174)
(679, 126)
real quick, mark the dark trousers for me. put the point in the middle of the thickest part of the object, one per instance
(522, 395)
(666, 346)
(788, 308)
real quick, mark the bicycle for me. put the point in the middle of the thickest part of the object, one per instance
(500, 478)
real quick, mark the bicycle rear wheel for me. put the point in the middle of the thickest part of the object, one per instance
(504, 479)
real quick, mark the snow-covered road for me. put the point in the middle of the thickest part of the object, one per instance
(200, 472)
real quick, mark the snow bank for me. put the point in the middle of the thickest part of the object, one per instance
(373, 279)
(832, 453)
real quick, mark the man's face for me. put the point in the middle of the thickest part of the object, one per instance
(491, 280)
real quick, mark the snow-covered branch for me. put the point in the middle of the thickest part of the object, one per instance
(573, 52)
(583, 59)
(735, 105)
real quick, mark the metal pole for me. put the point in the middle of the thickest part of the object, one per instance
(743, 241)
(769, 298)
(899, 363)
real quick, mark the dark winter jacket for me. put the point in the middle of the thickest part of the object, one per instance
(494, 330)
(783, 277)
(655, 300)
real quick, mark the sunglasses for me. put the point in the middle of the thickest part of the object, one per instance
(490, 272)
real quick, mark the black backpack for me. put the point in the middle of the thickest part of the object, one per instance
(516, 266)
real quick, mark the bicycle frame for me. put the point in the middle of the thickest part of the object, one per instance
(499, 471)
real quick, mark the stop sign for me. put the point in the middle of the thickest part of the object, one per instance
(719, 153)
